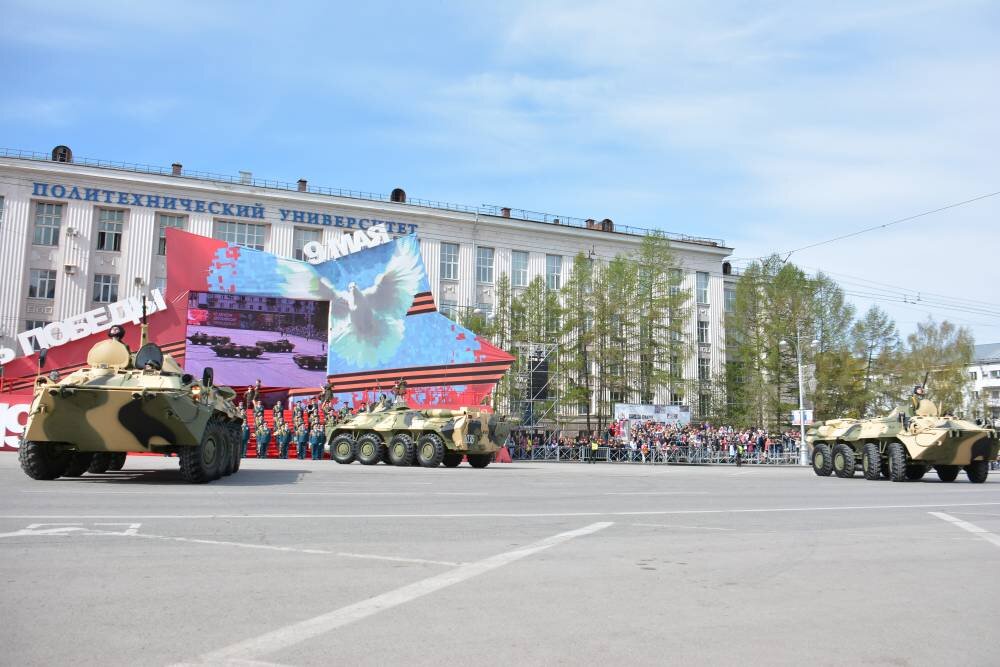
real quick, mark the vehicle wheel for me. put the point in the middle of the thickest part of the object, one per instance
(822, 463)
(100, 463)
(236, 435)
(202, 463)
(78, 464)
(977, 471)
(452, 459)
(916, 472)
(430, 450)
(480, 460)
(896, 454)
(40, 460)
(401, 449)
(871, 461)
(117, 461)
(342, 448)
(226, 455)
(946, 473)
(370, 449)
(843, 461)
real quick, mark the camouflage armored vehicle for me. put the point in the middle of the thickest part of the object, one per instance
(205, 339)
(310, 362)
(239, 351)
(122, 402)
(281, 345)
(402, 436)
(904, 445)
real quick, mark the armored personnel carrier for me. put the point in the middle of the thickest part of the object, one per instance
(310, 362)
(904, 446)
(240, 351)
(280, 345)
(122, 402)
(205, 339)
(400, 435)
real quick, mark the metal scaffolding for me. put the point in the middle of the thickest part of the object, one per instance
(534, 386)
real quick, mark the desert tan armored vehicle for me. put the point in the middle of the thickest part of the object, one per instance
(904, 445)
(403, 436)
(122, 402)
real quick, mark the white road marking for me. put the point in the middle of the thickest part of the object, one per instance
(184, 492)
(495, 515)
(667, 525)
(970, 527)
(656, 493)
(314, 627)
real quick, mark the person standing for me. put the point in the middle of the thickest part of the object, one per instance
(317, 441)
(284, 436)
(594, 446)
(246, 438)
(263, 435)
(301, 440)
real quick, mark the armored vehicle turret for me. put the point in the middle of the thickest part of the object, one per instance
(122, 402)
(904, 445)
(399, 435)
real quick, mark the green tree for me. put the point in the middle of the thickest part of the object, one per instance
(578, 336)
(941, 353)
(876, 348)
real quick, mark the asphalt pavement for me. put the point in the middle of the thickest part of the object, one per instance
(314, 563)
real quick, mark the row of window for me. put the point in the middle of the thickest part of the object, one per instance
(485, 258)
(42, 285)
(974, 375)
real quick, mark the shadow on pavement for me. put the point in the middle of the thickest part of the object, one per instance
(171, 476)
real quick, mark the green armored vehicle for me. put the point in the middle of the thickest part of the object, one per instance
(904, 445)
(400, 435)
(122, 402)
(280, 345)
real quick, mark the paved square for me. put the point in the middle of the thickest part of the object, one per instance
(302, 563)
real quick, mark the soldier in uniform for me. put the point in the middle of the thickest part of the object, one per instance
(277, 412)
(297, 412)
(283, 435)
(918, 395)
(246, 438)
(301, 440)
(317, 438)
(263, 435)
(252, 395)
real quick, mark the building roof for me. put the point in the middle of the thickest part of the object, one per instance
(986, 352)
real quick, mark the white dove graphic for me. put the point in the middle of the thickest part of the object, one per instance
(366, 325)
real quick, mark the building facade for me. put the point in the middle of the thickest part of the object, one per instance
(982, 399)
(76, 234)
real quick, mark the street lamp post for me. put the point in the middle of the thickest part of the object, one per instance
(803, 451)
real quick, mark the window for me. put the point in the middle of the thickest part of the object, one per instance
(449, 261)
(676, 370)
(165, 221)
(729, 298)
(110, 224)
(704, 369)
(160, 283)
(617, 396)
(105, 288)
(676, 399)
(702, 278)
(241, 233)
(553, 271)
(704, 404)
(484, 265)
(676, 280)
(484, 310)
(303, 236)
(995, 374)
(35, 324)
(519, 268)
(48, 219)
(42, 284)
(552, 322)
(703, 331)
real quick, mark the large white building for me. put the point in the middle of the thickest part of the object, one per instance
(77, 233)
(982, 398)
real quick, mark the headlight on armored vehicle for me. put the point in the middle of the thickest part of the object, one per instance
(196, 391)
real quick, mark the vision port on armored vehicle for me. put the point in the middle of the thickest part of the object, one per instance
(399, 435)
(122, 402)
(904, 445)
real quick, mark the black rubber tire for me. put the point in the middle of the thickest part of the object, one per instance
(100, 463)
(226, 459)
(201, 464)
(117, 461)
(896, 453)
(480, 460)
(237, 436)
(401, 449)
(844, 463)
(822, 462)
(915, 472)
(871, 461)
(40, 460)
(452, 459)
(430, 450)
(369, 449)
(977, 471)
(78, 464)
(947, 473)
(342, 448)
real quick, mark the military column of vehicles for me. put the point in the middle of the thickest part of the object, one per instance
(904, 445)
(122, 402)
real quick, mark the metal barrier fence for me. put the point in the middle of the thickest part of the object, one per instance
(678, 454)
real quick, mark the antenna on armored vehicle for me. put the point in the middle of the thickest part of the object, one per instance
(144, 330)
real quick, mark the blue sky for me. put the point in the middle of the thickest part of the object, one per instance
(770, 125)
